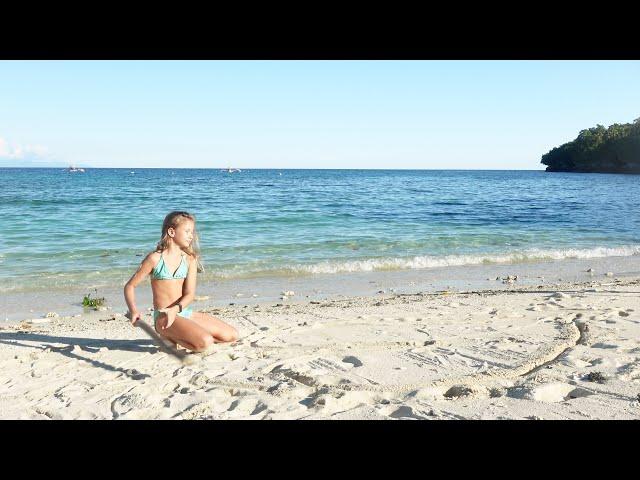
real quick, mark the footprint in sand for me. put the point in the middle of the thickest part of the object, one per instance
(603, 345)
(458, 391)
(135, 374)
(127, 402)
(172, 386)
(199, 380)
(199, 411)
(71, 391)
(247, 406)
(578, 393)
(48, 414)
(571, 361)
(553, 392)
(630, 371)
(259, 408)
(353, 361)
(405, 412)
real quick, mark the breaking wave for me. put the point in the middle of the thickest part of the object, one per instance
(427, 261)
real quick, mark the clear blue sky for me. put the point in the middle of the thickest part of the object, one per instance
(306, 114)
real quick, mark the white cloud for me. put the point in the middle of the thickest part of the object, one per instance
(8, 151)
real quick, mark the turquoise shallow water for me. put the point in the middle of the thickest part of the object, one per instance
(64, 230)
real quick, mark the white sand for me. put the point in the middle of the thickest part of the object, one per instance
(488, 355)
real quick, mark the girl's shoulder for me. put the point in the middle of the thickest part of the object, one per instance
(150, 261)
(153, 256)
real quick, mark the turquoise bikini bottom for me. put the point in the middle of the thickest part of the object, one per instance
(185, 313)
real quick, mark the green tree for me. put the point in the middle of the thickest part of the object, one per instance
(598, 149)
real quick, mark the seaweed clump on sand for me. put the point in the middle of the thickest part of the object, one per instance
(87, 301)
(596, 377)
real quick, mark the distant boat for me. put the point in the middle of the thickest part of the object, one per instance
(231, 170)
(73, 169)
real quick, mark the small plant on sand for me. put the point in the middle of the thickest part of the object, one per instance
(87, 301)
(596, 377)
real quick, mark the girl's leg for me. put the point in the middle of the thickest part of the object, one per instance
(188, 334)
(219, 330)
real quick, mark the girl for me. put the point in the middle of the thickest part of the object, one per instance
(173, 267)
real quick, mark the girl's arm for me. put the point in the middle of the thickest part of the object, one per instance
(129, 295)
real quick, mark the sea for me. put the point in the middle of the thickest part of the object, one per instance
(66, 234)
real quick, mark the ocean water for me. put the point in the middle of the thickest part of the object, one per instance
(62, 230)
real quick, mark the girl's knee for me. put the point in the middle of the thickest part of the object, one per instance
(203, 343)
(229, 334)
(232, 335)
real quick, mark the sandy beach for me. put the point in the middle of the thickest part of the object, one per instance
(431, 239)
(555, 351)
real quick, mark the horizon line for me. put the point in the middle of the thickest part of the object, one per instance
(271, 168)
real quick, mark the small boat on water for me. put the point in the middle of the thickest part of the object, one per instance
(73, 169)
(231, 170)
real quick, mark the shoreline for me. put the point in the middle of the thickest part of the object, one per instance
(567, 350)
(15, 307)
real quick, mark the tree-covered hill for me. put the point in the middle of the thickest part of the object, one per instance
(604, 150)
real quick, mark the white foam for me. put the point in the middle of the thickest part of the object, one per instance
(354, 266)
(458, 260)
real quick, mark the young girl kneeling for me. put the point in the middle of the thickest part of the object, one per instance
(173, 267)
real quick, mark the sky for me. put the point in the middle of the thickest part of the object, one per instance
(306, 114)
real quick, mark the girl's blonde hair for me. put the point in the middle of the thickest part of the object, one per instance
(172, 220)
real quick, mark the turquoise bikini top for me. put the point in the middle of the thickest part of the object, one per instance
(160, 271)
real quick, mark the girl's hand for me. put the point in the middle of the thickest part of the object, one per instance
(166, 320)
(134, 317)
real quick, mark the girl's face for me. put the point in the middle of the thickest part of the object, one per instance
(183, 233)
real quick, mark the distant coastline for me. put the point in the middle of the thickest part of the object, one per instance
(9, 164)
(282, 169)
(599, 150)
